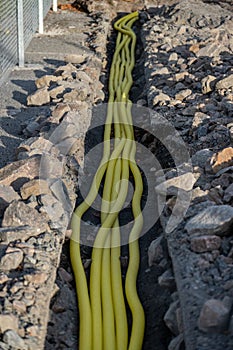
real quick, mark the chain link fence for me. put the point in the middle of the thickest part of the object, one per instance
(19, 21)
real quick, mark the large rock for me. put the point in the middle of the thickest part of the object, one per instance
(8, 322)
(214, 220)
(225, 83)
(176, 343)
(14, 340)
(76, 95)
(214, 316)
(7, 195)
(205, 243)
(200, 157)
(34, 187)
(155, 251)
(37, 144)
(20, 214)
(58, 90)
(60, 110)
(26, 168)
(46, 80)
(22, 233)
(184, 182)
(12, 259)
(67, 71)
(39, 97)
(167, 280)
(228, 194)
(75, 59)
(170, 318)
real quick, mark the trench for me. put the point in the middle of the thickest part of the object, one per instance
(62, 332)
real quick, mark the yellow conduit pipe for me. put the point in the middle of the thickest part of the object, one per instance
(103, 321)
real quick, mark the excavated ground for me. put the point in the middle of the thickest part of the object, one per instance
(183, 79)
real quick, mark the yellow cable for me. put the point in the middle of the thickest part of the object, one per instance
(103, 320)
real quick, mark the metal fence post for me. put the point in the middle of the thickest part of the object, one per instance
(41, 17)
(55, 5)
(20, 33)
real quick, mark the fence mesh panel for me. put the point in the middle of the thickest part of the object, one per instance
(9, 28)
(47, 5)
(30, 19)
(8, 35)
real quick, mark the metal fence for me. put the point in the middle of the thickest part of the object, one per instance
(19, 21)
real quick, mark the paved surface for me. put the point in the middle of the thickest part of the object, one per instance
(44, 53)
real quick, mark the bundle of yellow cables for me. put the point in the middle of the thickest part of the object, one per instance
(102, 311)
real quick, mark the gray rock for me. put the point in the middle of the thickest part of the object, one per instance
(155, 251)
(211, 50)
(170, 318)
(225, 83)
(39, 98)
(201, 157)
(7, 195)
(34, 187)
(27, 168)
(20, 214)
(32, 128)
(179, 86)
(199, 195)
(39, 145)
(14, 340)
(52, 207)
(22, 233)
(167, 280)
(228, 193)
(205, 243)
(12, 259)
(184, 182)
(4, 346)
(214, 220)
(214, 316)
(59, 190)
(176, 343)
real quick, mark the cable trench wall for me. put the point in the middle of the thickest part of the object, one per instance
(16, 32)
